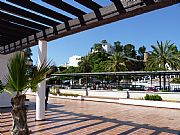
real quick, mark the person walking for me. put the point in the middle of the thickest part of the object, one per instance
(47, 95)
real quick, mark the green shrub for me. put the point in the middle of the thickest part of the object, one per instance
(53, 93)
(64, 94)
(175, 80)
(146, 97)
(165, 90)
(153, 97)
(69, 94)
(54, 90)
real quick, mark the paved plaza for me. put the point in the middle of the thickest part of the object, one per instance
(74, 117)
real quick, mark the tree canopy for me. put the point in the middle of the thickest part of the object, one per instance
(127, 57)
(164, 56)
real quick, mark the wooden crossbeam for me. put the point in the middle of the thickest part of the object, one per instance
(26, 14)
(40, 9)
(109, 14)
(66, 7)
(21, 21)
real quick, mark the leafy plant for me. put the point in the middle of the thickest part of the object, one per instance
(176, 80)
(18, 81)
(163, 56)
(153, 97)
(117, 62)
(85, 65)
(69, 94)
(54, 90)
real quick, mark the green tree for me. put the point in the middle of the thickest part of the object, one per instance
(100, 67)
(61, 68)
(134, 65)
(98, 47)
(164, 56)
(129, 51)
(85, 65)
(29, 62)
(96, 58)
(18, 81)
(71, 69)
(103, 42)
(118, 47)
(141, 52)
(117, 62)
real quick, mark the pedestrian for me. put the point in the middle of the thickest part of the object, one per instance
(47, 95)
(128, 95)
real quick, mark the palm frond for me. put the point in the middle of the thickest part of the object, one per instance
(16, 79)
(39, 74)
(117, 62)
(163, 54)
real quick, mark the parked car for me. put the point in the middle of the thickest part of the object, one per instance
(153, 89)
(136, 87)
(176, 89)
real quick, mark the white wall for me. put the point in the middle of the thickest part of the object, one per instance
(108, 48)
(5, 98)
(3, 66)
(74, 60)
(172, 96)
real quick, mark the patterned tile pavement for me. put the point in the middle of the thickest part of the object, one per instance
(72, 117)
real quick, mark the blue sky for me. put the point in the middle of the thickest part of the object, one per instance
(145, 29)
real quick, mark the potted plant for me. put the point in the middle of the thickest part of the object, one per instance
(18, 81)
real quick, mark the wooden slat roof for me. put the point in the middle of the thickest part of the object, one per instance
(24, 22)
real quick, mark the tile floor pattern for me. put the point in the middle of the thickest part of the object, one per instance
(72, 117)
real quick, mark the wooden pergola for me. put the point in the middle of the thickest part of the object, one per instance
(24, 22)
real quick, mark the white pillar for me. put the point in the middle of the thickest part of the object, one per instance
(40, 98)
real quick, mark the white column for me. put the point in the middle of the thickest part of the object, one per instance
(40, 98)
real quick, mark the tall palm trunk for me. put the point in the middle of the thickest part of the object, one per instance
(19, 116)
(164, 76)
(86, 86)
(164, 81)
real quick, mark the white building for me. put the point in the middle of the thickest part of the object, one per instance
(74, 60)
(108, 48)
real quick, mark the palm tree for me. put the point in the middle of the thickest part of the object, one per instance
(98, 47)
(117, 62)
(118, 47)
(85, 65)
(18, 82)
(164, 56)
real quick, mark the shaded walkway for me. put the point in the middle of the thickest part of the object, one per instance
(84, 117)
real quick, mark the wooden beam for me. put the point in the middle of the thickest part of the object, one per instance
(26, 14)
(66, 7)
(91, 5)
(119, 6)
(40, 9)
(21, 21)
(109, 15)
